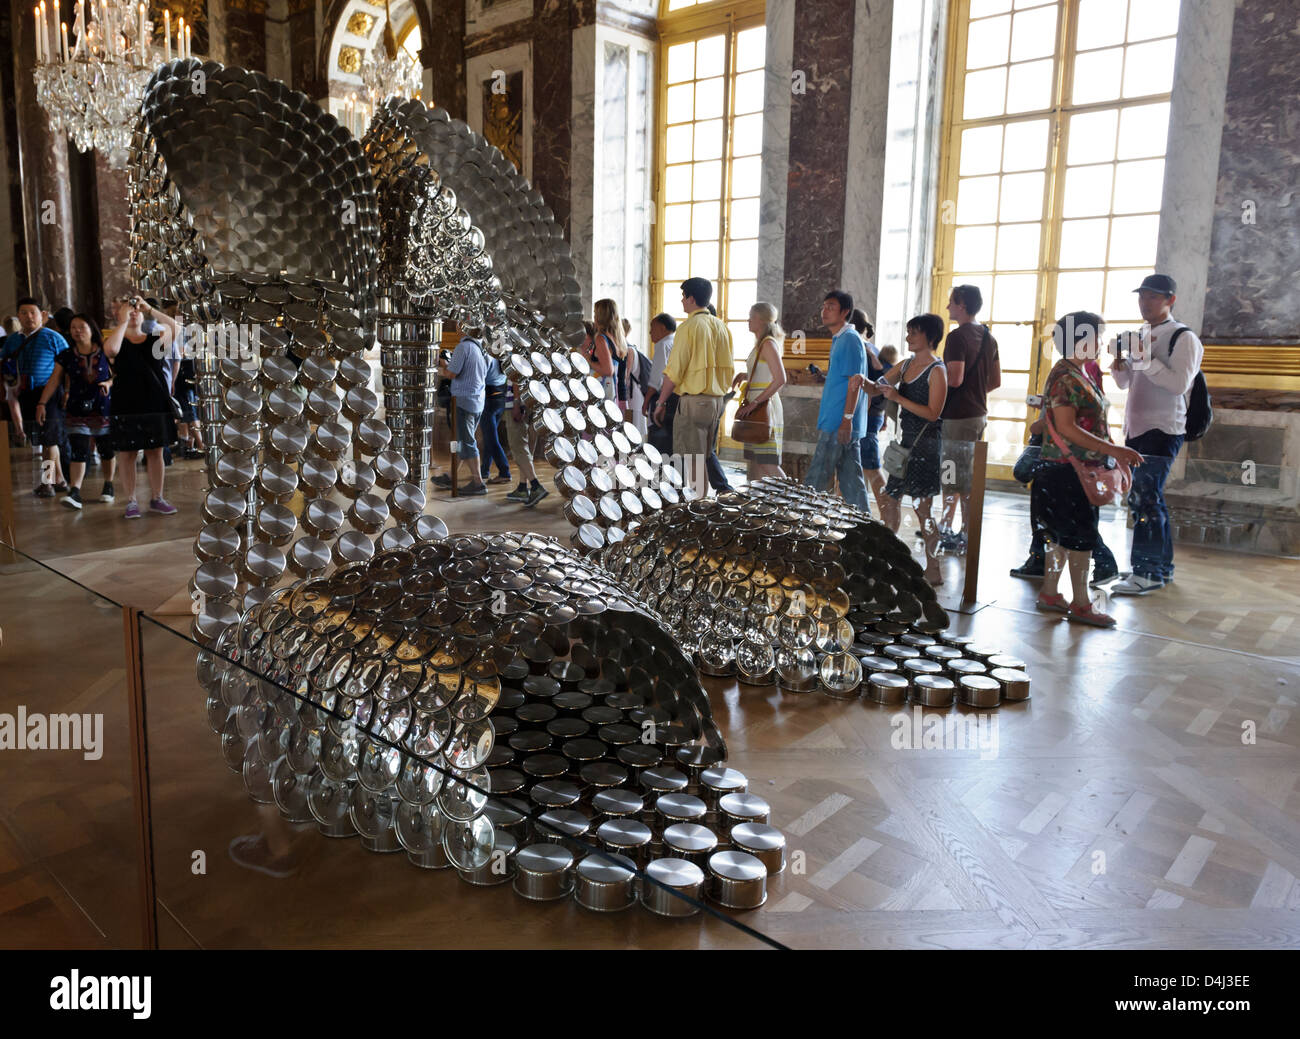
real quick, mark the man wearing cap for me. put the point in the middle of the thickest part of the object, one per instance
(1158, 379)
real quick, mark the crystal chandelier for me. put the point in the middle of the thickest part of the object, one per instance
(91, 87)
(391, 72)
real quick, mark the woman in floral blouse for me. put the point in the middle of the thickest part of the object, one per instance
(1075, 407)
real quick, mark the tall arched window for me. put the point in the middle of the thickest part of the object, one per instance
(710, 121)
(1055, 134)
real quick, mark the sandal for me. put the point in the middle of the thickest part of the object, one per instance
(1091, 615)
(1052, 603)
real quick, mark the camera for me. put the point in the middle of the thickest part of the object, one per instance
(1034, 400)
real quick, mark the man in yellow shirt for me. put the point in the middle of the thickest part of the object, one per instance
(700, 371)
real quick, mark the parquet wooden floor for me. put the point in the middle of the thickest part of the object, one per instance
(1146, 797)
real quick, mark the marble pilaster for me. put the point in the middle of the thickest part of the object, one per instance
(865, 173)
(44, 176)
(304, 43)
(1252, 295)
(774, 185)
(819, 149)
(583, 167)
(1187, 211)
(112, 231)
(442, 53)
(246, 34)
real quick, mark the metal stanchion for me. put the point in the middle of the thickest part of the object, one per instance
(8, 531)
(975, 521)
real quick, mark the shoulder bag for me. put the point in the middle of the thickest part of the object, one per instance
(1101, 485)
(896, 458)
(757, 428)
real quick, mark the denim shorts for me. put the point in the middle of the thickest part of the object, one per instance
(870, 445)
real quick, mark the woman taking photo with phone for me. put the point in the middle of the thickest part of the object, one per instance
(919, 385)
(143, 414)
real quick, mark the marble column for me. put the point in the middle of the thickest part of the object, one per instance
(1196, 111)
(44, 178)
(13, 273)
(774, 185)
(112, 230)
(279, 64)
(822, 61)
(582, 166)
(246, 34)
(304, 44)
(443, 57)
(1252, 295)
(865, 175)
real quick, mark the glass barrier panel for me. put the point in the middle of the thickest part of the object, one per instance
(66, 779)
(306, 797)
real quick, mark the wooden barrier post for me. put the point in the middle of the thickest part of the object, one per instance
(140, 775)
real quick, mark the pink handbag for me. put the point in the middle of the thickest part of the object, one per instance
(1101, 485)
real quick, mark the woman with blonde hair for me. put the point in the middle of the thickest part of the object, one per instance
(766, 375)
(609, 338)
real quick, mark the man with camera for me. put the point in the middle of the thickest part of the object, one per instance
(1157, 365)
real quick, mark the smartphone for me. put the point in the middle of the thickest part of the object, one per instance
(1034, 400)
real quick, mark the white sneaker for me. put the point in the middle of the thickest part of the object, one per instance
(1135, 585)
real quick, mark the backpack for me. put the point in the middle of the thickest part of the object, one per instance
(1200, 412)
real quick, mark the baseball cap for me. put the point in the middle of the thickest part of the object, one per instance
(1161, 283)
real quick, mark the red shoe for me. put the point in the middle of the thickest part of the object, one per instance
(1091, 615)
(1052, 604)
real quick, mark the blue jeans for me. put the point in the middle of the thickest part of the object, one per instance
(490, 426)
(845, 461)
(1153, 536)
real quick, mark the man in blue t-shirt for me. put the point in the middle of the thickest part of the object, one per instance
(842, 420)
(467, 370)
(35, 346)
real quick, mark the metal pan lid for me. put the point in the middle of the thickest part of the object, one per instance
(736, 866)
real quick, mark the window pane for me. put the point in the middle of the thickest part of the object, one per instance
(1014, 296)
(985, 94)
(681, 62)
(708, 139)
(749, 92)
(1133, 241)
(710, 56)
(680, 103)
(1092, 138)
(1083, 243)
(1087, 190)
(1139, 185)
(708, 180)
(1022, 197)
(986, 43)
(1079, 290)
(977, 200)
(1149, 69)
(1152, 18)
(741, 295)
(1029, 86)
(744, 218)
(745, 174)
(677, 263)
(704, 221)
(1018, 247)
(1013, 346)
(677, 184)
(1026, 146)
(708, 99)
(1143, 131)
(678, 145)
(1101, 23)
(677, 223)
(742, 259)
(973, 248)
(1121, 300)
(981, 146)
(747, 134)
(980, 8)
(704, 260)
(1034, 34)
(1096, 76)
(750, 48)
